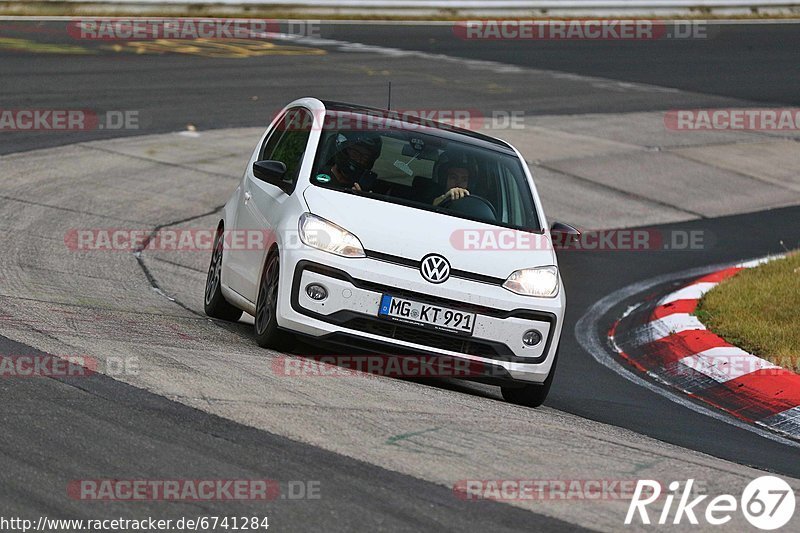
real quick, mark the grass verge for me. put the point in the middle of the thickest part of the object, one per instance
(758, 310)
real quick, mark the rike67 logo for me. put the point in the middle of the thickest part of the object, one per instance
(767, 503)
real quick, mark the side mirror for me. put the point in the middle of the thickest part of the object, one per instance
(563, 235)
(272, 172)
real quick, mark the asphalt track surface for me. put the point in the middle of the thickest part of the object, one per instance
(736, 65)
(749, 62)
(98, 424)
(102, 421)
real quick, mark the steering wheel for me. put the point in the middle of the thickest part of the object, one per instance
(469, 204)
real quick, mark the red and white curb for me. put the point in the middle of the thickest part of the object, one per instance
(663, 339)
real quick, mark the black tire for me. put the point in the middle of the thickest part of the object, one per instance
(268, 335)
(530, 395)
(214, 302)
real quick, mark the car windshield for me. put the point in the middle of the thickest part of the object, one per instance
(425, 168)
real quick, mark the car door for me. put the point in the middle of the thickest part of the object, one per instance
(262, 203)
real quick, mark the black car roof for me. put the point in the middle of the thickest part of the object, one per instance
(448, 131)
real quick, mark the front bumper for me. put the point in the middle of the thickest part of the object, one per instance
(348, 316)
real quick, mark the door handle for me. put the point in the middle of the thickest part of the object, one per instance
(247, 196)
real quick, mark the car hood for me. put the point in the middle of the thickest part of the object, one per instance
(411, 234)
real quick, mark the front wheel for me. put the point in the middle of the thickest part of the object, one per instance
(214, 302)
(268, 335)
(530, 395)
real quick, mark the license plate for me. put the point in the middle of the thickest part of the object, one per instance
(426, 315)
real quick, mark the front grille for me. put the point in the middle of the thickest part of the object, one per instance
(412, 263)
(450, 342)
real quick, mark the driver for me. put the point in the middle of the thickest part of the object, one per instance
(457, 175)
(356, 153)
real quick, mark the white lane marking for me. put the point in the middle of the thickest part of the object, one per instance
(759, 261)
(585, 333)
(475, 64)
(695, 291)
(347, 46)
(725, 363)
(788, 421)
(391, 22)
(666, 326)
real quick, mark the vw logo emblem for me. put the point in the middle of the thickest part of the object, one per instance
(435, 268)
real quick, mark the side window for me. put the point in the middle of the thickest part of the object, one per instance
(269, 143)
(518, 208)
(288, 141)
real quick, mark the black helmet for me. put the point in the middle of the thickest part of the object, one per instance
(353, 170)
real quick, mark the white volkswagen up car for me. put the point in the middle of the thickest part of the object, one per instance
(396, 236)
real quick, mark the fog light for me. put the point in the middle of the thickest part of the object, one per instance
(316, 292)
(531, 338)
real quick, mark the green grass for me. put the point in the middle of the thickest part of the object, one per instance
(758, 310)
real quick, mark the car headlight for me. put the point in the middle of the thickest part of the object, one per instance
(328, 237)
(541, 281)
